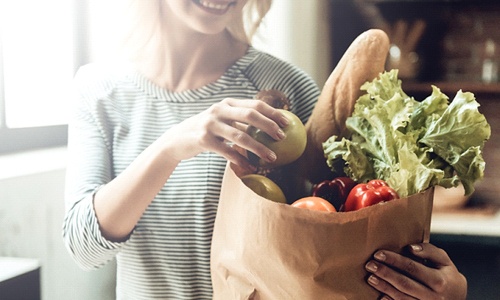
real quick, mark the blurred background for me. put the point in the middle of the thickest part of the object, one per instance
(450, 43)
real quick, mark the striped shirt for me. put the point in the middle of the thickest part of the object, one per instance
(116, 116)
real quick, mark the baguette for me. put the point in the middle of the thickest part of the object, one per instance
(363, 61)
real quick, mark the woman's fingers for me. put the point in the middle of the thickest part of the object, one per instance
(228, 121)
(224, 125)
(244, 140)
(234, 156)
(387, 289)
(437, 256)
(396, 276)
(408, 267)
(428, 273)
(252, 112)
(247, 168)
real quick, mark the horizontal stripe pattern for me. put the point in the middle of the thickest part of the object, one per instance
(116, 115)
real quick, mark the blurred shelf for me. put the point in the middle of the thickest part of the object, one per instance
(467, 222)
(451, 88)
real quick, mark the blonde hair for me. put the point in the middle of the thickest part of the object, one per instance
(245, 27)
(142, 24)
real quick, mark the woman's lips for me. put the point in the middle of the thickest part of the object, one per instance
(214, 7)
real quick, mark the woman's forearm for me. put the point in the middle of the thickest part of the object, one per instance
(120, 204)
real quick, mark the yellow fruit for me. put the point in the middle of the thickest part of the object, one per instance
(264, 187)
(287, 150)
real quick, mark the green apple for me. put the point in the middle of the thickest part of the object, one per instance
(287, 150)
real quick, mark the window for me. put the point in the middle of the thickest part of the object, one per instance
(41, 46)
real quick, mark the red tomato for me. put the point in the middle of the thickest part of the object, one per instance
(314, 203)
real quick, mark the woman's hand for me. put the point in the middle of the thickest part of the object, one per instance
(223, 125)
(429, 275)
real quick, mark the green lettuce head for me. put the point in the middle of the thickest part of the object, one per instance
(412, 145)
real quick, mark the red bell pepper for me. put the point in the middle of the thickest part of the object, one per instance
(366, 194)
(334, 191)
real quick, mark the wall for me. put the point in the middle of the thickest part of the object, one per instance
(298, 32)
(31, 213)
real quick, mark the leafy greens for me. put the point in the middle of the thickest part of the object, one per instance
(412, 145)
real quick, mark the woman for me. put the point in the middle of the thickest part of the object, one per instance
(149, 143)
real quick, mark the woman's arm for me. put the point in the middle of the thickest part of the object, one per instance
(120, 204)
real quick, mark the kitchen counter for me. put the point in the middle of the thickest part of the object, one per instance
(19, 278)
(469, 224)
(11, 267)
(471, 238)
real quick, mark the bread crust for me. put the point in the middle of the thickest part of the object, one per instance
(363, 61)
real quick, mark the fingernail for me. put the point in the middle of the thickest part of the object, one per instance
(385, 298)
(416, 248)
(281, 134)
(271, 156)
(371, 266)
(380, 256)
(373, 280)
(284, 121)
(250, 167)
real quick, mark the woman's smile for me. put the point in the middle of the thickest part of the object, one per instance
(214, 7)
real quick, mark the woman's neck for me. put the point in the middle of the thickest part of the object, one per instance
(182, 63)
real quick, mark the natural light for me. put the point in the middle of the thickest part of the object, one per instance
(37, 39)
(37, 44)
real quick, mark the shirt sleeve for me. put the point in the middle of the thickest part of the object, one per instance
(269, 72)
(303, 93)
(89, 168)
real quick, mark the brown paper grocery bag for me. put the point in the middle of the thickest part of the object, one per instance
(267, 250)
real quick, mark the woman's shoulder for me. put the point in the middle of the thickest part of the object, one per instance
(102, 72)
(100, 78)
(268, 71)
(265, 62)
